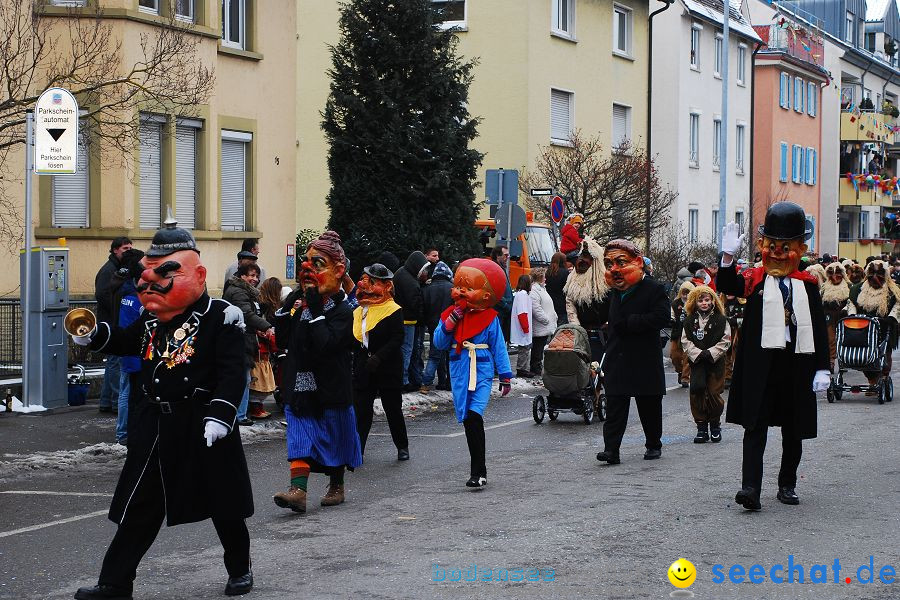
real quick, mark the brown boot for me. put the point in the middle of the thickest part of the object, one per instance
(294, 499)
(334, 495)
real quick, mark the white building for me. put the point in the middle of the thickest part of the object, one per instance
(687, 106)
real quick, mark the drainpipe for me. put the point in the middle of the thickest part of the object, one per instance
(862, 81)
(752, 139)
(668, 3)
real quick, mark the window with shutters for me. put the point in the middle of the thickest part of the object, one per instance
(784, 91)
(150, 181)
(450, 13)
(812, 100)
(799, 90)
(622, 30)
(621, 125)
(561, 109)
(233, 184)
(739, 150)
(562, 18)
(234, 23)
(70, 194)
(694, 141)
(812, 167)
(717, 143)
(784, 163)
(693, 222)
(796, 164)
(186, 172)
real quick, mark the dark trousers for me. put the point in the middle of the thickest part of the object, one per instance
(650, 412)
(474, 425)
(755, 447)
(392, 401)
(537, 353)
(141, 523)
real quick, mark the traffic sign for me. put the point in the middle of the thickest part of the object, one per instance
(557, 209)
(515, 248)
(56, 133)
(541, 191)
(501, 186)
(511, 221)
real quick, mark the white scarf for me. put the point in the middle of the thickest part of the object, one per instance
(774, 331)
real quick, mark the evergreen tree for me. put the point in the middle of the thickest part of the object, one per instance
(402, 172)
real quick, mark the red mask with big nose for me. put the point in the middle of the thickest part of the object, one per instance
(170, 284)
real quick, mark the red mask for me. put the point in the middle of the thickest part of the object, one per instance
(371, 291)
(321, 271)
(876, 274)
(170, 284)
(471, 289)
(780, 258)
(834, 274)
(623, 269)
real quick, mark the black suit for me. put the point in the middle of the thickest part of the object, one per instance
(772, 387)
(633, 365)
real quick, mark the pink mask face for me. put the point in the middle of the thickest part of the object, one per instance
(170, 284)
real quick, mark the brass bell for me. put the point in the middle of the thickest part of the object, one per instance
(80, 322)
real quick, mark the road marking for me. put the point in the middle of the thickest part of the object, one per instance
(52, 523)
(48, 493)
(460, 433)
(674, 387)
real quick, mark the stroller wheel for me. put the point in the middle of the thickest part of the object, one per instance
(882, 390)
(588, 412)
(889, 391)
(553, 414)
(600, 408)
(830, 395)
(538, 409)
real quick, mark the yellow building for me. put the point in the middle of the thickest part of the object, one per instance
(227, 170)
(545, 68)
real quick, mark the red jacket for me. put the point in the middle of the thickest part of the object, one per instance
(571, 239)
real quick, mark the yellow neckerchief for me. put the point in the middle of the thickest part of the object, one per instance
(374, 315)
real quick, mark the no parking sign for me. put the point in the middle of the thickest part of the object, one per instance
(556, 209)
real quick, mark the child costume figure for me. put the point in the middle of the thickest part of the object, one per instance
(782, 357)
(878, 296)
(835, 293)
(472, 329)
(378, 360)
(315, 326)
(676, 352)
(706, 338)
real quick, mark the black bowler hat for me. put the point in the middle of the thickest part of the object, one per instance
(378, 271)
(785, 221)
(170, 239)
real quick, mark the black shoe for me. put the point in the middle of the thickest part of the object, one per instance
(787, 495)
(409, 387)
(524, 374)
(702, 434)
(239, 585)
(748, 497)
(403, 454)
(245, 422)
(611, 458)
(103, 592)
(476, 481)
(715, 434)
(653, 454)
(444, 388)
(108, 410)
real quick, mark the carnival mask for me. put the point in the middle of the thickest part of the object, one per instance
(170, 284)
(855, 274)
(471, 289)
(623, 269)
(780, 258)
(583, 263)
(371, 291)
(834, 274)
(876, 274)
(321, 271)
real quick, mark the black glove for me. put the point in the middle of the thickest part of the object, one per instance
(373, 363)
(314, 302)
(705, 356)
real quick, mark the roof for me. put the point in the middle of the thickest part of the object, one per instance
(876, 9)
(712, 10)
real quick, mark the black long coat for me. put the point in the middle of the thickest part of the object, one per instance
(385, 340)
(199, 482)
(633, 365)
(752, 362)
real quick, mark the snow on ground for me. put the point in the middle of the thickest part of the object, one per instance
(90, 458)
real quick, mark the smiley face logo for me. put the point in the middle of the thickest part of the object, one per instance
(682, 573)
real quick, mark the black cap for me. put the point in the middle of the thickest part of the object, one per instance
(378, 271)
(171, 239)
(246, 254)
(785, 221)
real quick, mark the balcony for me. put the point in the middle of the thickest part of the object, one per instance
(859, 250)
(799, 41)
(864, 195)
(867, 127)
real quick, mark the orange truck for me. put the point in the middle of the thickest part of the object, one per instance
(538, 245)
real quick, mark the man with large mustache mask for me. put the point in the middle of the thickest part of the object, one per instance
(878, 296)
(185, 461)
(782, 355)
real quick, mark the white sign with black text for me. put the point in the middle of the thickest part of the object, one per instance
(56, 133)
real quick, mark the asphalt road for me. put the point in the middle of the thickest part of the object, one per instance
(598, 531)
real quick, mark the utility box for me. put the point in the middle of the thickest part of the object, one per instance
(45, 362)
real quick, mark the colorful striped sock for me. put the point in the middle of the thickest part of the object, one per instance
(299, 474)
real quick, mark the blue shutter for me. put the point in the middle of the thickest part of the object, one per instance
(784, 161)
(815, 166)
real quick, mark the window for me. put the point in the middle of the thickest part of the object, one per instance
(70, 193)
(796, 164)
(739, 150)
(184, 10)
(150, 181)
(693, 218)
(68, 2)
(149, 6)
(694, 150)
(799, 88)
(621, 125)
(186, 172)
(812, 167)
(864, 225)
(739, 220)
(235, 146)
(561, 116)
(234, 23)
(621, 30)
(741, 64)
(812, 98)
(847, 95)
(715, 226)
(784, 163)
(870, 42)
(850, 28)
(695, 46)
(718, 57)
(717, 143)
(784, 91)
(451, 13)
(563, 17)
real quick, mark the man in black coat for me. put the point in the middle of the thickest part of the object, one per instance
(108, 311)
(185, 461)
(633, 364)
(782, 353)
(408, 294)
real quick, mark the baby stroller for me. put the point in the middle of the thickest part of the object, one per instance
(570, 377)
(862, 344)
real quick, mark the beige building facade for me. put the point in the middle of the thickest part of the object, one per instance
(227, 169)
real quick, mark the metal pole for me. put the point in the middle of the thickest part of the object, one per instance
(26, 283)
(723, 152)
(650, 125)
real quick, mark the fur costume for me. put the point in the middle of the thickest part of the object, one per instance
(836, 293)
(819, 271)
(834, 301)
(877, 301)
(584, 288)
(676, 352)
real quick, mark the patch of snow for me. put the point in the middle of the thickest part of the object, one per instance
(90, 458)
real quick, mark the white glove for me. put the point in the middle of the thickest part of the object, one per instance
(821, 381)
(234, 316)
(83, 340)
(732, 239)
(214, 431)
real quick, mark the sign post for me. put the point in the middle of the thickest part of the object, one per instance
(25, 286)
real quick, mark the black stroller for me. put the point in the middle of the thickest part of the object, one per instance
(572, 380)
(862, 345)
